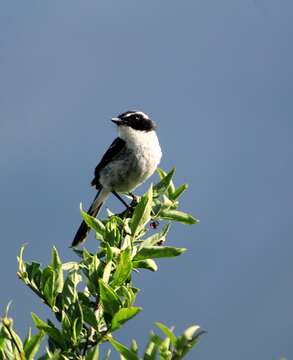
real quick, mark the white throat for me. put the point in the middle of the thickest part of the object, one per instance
(145, 145)
(134, 137)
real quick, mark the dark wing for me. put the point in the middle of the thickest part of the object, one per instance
(115, 148)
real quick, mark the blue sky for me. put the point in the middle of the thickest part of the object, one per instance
(217, 78)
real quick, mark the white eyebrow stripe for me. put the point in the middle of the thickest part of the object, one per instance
(144, 115)
(129, 114)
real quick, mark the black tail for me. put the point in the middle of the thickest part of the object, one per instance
(83, 230)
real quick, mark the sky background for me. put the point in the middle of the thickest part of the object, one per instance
(217, 78)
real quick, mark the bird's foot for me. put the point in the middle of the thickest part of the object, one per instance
(135, 199)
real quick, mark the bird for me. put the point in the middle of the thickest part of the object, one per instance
(129, 161)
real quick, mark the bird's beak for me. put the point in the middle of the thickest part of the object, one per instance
(117, 121)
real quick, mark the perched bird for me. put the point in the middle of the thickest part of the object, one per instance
(132, 158)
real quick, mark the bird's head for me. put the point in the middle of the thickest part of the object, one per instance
(137, 120)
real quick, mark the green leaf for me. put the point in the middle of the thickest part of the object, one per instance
(21, 264)
(55, 259)
(158, 237)
(156, 339)
(134, 347)
(186, 341)
(176, 215)
(189, 333)
(165, 350)
(93, 354)
(93, 269)
(27, 339)
(167, 332)
(66, 323)
(142, 212)
(151, 252)
(161, 173)
(77, 317)
(112, 232)
(171, 187)
(13, 338)
(128, 293)
(148, 264)
(71, 265)
(93, 223)
(48, 285)
(56, 265)
(109, 252)
(83, 298)
(123, 315)
(34, 274)
(162, 186)
(55, 356)
(123, 269)
(32, 346)
(107, 272)
(110, 300)
(123, 350)
(178, 192)
(151, 350)
(87, 257)
(69, 293)
(90, 317)
(51, 331)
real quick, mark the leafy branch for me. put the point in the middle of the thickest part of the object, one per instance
(94, 296)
